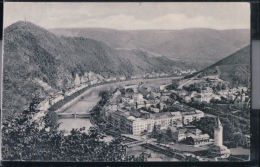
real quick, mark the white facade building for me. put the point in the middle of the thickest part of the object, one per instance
(191, 116)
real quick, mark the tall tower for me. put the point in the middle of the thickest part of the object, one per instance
(218, 133)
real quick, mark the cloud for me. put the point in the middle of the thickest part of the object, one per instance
(169, 21)
(131, 15)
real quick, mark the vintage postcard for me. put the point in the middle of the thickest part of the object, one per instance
(129, 81)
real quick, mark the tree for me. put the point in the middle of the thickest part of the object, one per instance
(228, 131)
(206, 124)
(142, 157)
(224, 87)
(238, 139)
(27, 139)
(51, 119)
(155, 132)
(169, 133)
(158, 106)
(188, 141)
(160, 138)
(33, 105)
(174, 85)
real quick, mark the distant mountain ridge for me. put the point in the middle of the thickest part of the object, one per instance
(199, 46)
(34, 53)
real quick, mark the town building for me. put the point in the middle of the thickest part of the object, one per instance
(135, 122)
(138, 98)
(180, 134)
(155, 110)
(191, 116)
(191, 136)
(197, 137)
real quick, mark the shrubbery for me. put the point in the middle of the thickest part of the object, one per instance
(27, 139)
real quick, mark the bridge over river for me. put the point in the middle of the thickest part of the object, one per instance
(76, 115)
(80, 106)
(73, 115)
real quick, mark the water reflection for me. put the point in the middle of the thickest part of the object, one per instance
(83, 106)
(67, 124)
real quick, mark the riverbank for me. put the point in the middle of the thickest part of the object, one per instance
(89, 99)
(109, 86)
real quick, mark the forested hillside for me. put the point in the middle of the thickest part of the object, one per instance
(32, 52)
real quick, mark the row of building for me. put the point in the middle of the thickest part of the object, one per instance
(79, 85)
(207, 94)
(136, 122)
(140, 108)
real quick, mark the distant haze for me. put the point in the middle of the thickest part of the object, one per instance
(130, 16)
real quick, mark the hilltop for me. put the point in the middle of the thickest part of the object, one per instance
(32, 52)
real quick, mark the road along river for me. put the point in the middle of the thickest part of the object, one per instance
(87, 100)
(90, 98)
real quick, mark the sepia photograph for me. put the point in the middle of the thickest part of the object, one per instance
(126, 82)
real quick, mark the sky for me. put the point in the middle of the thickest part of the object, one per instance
(130, 15)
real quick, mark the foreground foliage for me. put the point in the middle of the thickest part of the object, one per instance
(27, 139)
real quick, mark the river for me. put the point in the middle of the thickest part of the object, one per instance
(90, 99)
(85, 104)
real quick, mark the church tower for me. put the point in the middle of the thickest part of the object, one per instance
(218, 149)
(218, 133)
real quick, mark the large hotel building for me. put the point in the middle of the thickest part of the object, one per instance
(136, 122)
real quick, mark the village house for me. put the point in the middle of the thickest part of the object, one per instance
(192, 136)
(196, 137)
(191, 116)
